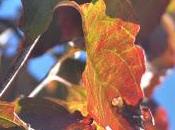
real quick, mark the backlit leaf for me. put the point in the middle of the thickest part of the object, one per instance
(114, 65)
(77, 99)
(171, 7)
(8, 117)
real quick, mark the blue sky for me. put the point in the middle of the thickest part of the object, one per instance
(164, 94)
(9, 9)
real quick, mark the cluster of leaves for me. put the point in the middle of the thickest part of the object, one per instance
(105, 93)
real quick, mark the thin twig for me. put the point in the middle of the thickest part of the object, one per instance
(12, 75)
(52, 75)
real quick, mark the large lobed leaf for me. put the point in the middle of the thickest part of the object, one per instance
(114, 65)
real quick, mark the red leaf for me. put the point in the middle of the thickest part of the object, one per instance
(161, 119)
(114, 66)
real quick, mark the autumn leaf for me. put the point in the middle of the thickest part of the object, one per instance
(161, 120)
(9, 118)
(77, 100)
(171, 7)
(160, 117)
(114, 66)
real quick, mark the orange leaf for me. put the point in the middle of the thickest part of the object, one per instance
(114, 66)
(8, 117)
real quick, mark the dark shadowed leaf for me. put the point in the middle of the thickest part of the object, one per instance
(72, 70)
(55, 22)
(75, 99)
(37, 16)
(46, 115)
(166, 59)
(66, 25)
